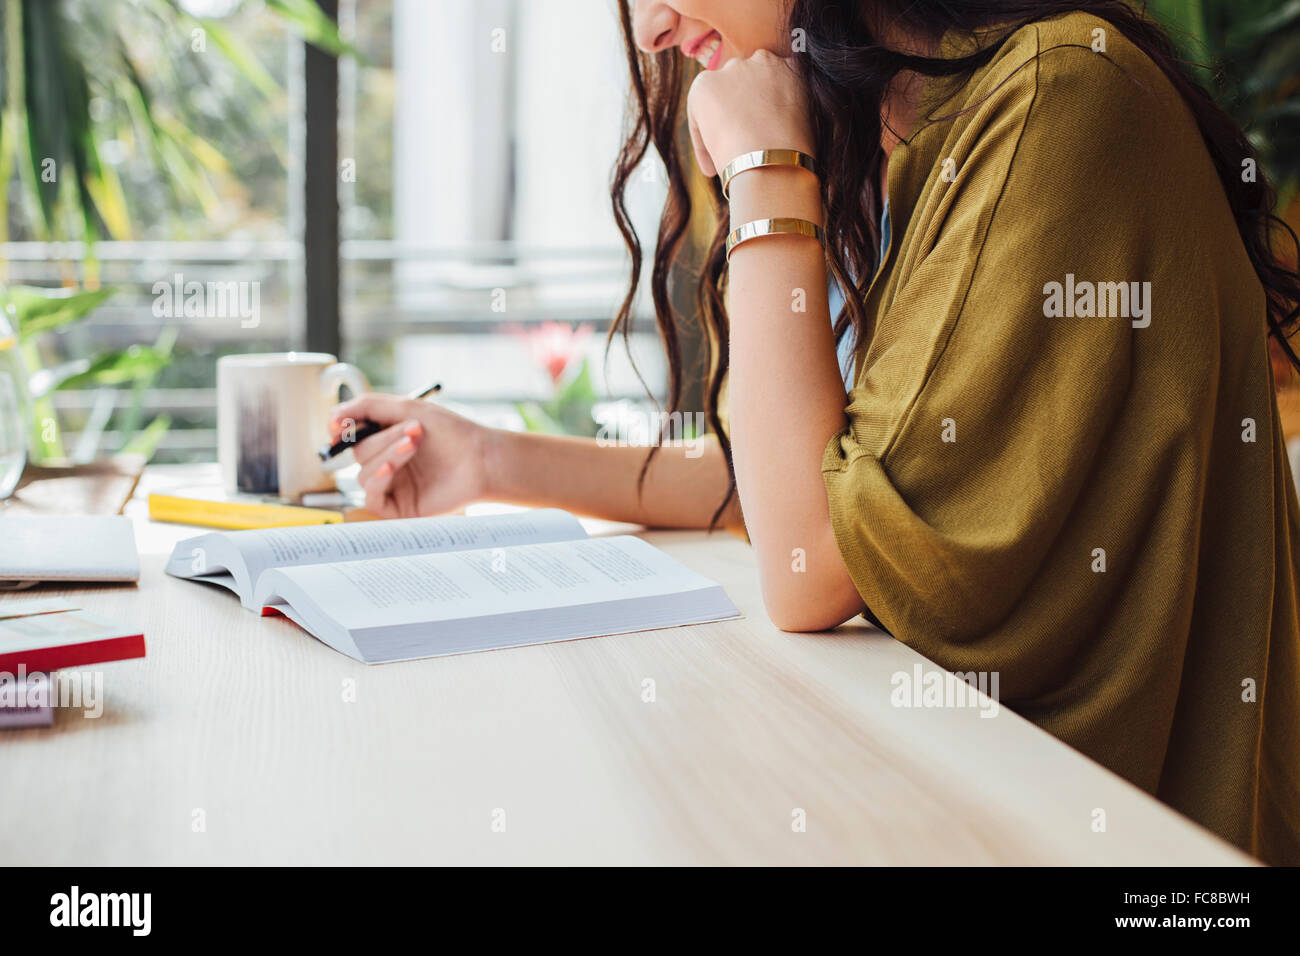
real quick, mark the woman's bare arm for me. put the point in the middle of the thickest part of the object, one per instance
(787, 400)
(429, 460)
(683, 487)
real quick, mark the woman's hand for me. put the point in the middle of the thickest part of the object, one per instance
(751, 104)
(426, 461)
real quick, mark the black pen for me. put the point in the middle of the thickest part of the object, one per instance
(367, 428)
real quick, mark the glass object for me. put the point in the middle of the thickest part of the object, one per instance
(13, 391)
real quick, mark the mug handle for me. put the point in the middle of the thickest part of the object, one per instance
(340, 374)
(331, 379)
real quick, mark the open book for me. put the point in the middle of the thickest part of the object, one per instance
(383, 591)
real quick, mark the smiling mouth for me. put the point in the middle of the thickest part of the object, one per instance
(705, 51)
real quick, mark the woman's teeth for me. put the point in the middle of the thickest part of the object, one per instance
(705, 53)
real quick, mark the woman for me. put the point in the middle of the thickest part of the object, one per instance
(1059, 455)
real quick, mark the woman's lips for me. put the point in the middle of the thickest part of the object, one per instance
(707, 50)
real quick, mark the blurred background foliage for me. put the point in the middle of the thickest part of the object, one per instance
(1249, 54)
(118, 117)
(139, 120)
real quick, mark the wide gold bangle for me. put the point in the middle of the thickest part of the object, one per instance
(764, 157)
(774, 227)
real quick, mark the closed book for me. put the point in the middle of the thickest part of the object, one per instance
(74, 638)
(58, 548)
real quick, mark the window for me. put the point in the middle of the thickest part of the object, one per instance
(476, 139)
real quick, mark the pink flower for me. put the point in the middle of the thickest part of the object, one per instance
(554, 345)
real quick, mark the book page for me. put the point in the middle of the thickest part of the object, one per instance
(267, 548)
(466, 584)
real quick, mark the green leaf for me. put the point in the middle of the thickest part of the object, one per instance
(316, 28)
(46, 439)
(81, 143)
(146, 440)
(106, 192)
(570, 409)
(1185, 21)
(11, 78)
(34, 310)
(235, 53)
(536, 419)
(1249, 30)
(4, 82)
(121, 367)
(1278, 111)
(1276, 65)
(47, 117)
(578, 388)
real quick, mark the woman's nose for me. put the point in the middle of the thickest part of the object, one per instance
(653, 25)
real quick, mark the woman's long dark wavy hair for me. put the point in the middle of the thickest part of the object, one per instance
(847, 71)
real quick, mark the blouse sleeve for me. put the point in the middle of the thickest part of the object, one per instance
(979, 414)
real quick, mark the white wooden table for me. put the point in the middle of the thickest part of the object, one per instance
(241, 723)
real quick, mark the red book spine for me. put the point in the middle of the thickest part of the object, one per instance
(74, 655)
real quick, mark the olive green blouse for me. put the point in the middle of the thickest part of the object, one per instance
(1063, 460)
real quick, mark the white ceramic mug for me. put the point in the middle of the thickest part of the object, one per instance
(272, 412)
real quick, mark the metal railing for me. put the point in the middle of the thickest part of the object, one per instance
(393, 293)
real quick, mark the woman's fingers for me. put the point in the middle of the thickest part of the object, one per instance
(383, 409)
(376, 445)
(377, 487)
(370, 450)
(379, 484)
(378, 471)
(404, 498)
